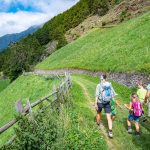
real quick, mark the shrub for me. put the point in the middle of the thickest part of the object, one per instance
(67, 129)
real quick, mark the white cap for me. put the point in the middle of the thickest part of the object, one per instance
(101, 77)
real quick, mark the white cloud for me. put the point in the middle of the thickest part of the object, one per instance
(14, 23)
(21, 20)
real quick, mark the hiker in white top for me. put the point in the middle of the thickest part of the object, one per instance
(147, 97)
(104, 94)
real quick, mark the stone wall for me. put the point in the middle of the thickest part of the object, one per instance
(128, 79)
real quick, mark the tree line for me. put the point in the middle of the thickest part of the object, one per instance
(23, 55)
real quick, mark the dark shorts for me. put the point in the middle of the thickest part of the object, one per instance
(133, 118)
(106, 107)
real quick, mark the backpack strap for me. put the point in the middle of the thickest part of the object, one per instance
(101, 87)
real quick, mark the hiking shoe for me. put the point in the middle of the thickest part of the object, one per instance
(129, 131)
(137, 133)
(98, 124)
(110, 134)
(144, 119)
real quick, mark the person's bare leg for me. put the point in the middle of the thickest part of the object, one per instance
(109, 121)
(128, 122)
(110, 134)
(129, 126)
(113, 118)
(98, 118)
(137, 127)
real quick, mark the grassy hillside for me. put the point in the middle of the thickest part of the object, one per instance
(32, 87)
(3, 84)
(122, 48)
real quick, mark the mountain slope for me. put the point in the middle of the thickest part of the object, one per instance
(125, 10)
(11, 38)
(32, 48)
(122, 48)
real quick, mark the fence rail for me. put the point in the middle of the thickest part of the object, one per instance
(62, 89)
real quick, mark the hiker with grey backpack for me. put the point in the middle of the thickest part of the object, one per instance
(104, 94)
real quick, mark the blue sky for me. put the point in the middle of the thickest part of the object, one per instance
(15, 6)
(18, 15)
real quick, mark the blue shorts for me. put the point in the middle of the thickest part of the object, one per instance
(133, 118)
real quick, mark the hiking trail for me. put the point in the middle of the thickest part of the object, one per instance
(111, 145)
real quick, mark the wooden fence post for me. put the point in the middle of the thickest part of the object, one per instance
(55, 91)
(68, 78)
(55, 96)
(66, 83)
(59, 95)
(19, 106)
(29, 106)
(11, 140)
(30, 109)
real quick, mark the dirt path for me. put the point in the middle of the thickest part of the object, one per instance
(111, 145)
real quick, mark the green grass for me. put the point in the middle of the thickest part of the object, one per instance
(32, 87)
(125, 48)
(71, 128)
(82, 132)
(3, 84)
(122, 140)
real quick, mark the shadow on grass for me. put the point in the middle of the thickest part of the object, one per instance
(104, 120)
(142, 142)
(146, 125)
(123, 121)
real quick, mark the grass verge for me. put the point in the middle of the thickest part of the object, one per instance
(32, 87)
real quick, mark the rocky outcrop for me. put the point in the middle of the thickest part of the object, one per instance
(125, 10)
(49, 49)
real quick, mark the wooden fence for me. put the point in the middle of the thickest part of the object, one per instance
(58, 95)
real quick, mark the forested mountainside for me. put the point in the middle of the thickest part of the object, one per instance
(24, 54)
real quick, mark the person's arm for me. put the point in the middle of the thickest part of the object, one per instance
(138, 92)
(96, 96)
(147, 96)
(117, 103)
(128, 106)
(113, 91)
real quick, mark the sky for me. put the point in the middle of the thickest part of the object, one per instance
(19, 15)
